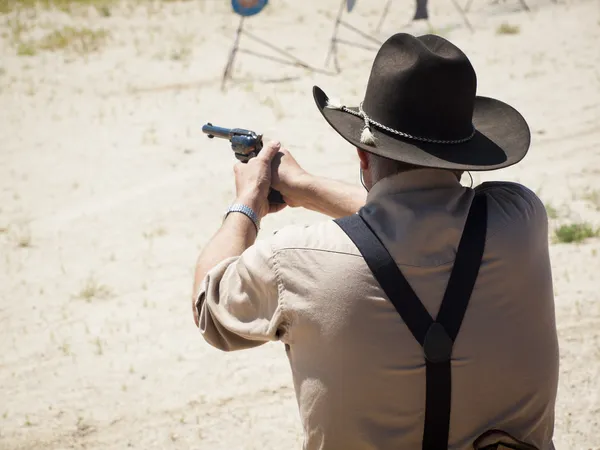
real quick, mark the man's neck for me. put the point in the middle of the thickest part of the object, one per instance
(414, 180)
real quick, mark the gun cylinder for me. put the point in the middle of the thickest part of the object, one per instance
(220, 132)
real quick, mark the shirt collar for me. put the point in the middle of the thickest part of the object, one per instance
(413, 180)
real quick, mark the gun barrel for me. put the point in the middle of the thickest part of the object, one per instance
(220, 132)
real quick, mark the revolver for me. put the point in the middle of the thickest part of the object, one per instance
(245, 144)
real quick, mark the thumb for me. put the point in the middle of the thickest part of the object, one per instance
(269, 151)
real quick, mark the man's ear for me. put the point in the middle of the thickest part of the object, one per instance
(364, 159)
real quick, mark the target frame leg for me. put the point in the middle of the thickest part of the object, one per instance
(227, 73)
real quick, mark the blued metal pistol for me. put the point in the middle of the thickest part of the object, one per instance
(246, 144)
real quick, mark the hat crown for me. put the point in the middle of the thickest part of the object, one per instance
(423, 86)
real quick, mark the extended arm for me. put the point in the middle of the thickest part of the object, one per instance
(253, 181)
(235, 235)
(301, 189)
(238, 231)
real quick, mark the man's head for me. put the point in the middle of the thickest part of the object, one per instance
(375, 168)
(420, 108)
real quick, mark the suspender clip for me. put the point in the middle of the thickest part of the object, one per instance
(438, 345)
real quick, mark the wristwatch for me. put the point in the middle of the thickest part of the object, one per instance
(247, 211)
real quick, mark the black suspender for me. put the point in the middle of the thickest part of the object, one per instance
(435, 336)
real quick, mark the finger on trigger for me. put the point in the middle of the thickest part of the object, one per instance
(269, 151)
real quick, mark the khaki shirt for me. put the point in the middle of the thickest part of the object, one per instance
(359, 374)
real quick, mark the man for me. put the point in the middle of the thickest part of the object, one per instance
(402, 332)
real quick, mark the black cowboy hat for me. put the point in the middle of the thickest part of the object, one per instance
(421, 108)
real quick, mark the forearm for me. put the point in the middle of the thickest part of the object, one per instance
(235, 235)
(332, 198)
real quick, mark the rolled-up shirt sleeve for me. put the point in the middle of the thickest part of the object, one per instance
(239, 302)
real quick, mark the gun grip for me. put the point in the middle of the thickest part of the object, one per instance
(275, 197)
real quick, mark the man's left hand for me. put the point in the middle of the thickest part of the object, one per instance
(253, 181)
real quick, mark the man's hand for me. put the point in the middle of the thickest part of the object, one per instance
(253, 181)
(290, 179)
(301, 189)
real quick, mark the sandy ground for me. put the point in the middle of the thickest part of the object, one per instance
(109, 189)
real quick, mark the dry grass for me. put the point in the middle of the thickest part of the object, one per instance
(92, 289)
(593, 197)
(79, 40)
(26, 49)
(102, 6)
(506, 28)
(7, 6)
(155, 232)
(184, 47)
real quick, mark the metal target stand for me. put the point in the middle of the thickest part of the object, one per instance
(291, 59)
(286, 57)
(422, 14)
(335, 40)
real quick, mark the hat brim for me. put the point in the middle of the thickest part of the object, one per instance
(501, 139)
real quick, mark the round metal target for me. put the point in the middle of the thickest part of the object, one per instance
(247, 8)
